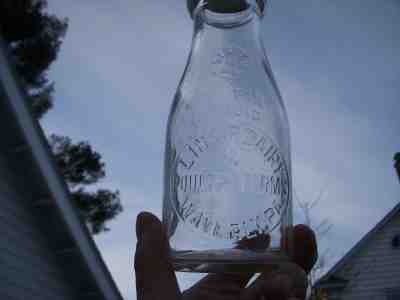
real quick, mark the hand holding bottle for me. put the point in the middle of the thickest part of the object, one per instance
(155, 277)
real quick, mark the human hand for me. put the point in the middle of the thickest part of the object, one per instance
(155, 276)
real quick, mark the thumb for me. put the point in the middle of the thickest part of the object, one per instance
(155, 276)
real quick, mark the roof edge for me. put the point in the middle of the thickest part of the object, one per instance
(359, 244)
(43, 158)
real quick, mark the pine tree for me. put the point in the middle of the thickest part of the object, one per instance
(34, 38)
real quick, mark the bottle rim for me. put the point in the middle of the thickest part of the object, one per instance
(195, 5)
(227, 20)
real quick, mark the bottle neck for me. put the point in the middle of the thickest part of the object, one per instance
(235, 36)
(229, 47)
(225, 20)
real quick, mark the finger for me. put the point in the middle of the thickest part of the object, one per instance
(305, 252)
(228, 283)
(218, 286)
(287, 281)
(277, 288)
(259, 242)
(155, 277)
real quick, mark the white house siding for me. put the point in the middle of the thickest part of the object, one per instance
(28, 268)
(375, 268)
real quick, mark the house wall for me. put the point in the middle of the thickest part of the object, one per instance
(375, 268)
(28, 267)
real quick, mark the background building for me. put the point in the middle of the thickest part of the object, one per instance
(371, 269)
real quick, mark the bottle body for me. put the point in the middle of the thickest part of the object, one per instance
(227, 173)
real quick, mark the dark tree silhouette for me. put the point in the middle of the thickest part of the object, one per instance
(34, 38)
(397, 163)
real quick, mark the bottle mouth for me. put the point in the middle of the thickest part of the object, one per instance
(226, 20)
(227, 6)
(195, 5)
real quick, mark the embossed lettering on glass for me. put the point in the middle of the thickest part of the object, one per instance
(227, 173)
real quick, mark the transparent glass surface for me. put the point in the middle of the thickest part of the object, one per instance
(227, 160)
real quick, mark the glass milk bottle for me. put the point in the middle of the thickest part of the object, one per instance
(227, 203)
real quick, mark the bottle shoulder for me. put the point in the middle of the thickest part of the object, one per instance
(232, 78)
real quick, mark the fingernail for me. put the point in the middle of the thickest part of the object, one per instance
(139, 226)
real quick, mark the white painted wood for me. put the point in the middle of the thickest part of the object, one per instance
(375, 268)
(28, 268)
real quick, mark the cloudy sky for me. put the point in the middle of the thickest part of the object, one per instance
(337, 65)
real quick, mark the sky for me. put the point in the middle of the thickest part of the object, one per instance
(337, 65)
